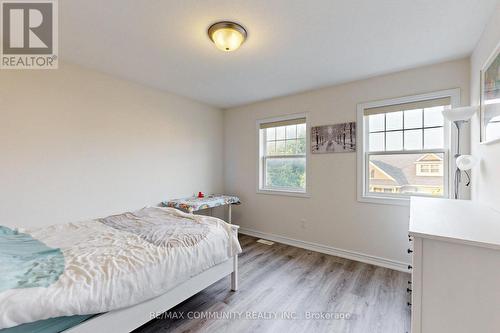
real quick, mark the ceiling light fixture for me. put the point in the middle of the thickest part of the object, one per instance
(227, 36)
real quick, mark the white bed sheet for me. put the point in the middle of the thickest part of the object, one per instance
(120, 261)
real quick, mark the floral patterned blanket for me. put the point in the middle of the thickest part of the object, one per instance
(193, 204)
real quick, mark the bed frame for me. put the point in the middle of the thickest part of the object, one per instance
(127, 319)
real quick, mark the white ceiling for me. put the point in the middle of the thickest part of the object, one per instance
(293, 45)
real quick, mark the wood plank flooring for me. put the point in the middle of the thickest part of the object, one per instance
(282, 288)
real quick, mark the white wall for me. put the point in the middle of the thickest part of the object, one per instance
(486, 180)
(334, 216)
(76, 144)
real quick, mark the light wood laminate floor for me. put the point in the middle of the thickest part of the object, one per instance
(283, 287)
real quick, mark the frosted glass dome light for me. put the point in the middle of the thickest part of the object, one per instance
(460, 114)
(227, 36)
(466, 162)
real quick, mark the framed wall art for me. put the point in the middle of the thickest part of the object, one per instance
(337, 138)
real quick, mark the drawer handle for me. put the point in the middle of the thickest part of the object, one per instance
(408, 290)
(410, 267)
(409, 282)
(408, 303)
(410, 251)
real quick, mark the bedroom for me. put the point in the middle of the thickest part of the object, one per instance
(331, 126)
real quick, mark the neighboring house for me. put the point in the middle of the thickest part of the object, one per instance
(421, 173)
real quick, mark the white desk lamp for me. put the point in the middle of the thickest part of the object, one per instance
(461, 116)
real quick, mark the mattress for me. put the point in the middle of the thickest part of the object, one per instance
(105, 264)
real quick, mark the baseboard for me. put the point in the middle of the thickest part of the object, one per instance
(377, 261)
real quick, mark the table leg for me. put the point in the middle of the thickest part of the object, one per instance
(234, 274)
(229, 214)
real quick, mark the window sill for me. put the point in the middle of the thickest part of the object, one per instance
(284, 193)
(395, 201)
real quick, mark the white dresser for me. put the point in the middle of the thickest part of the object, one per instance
(455, 267)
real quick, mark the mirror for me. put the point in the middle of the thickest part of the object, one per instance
(490, 99)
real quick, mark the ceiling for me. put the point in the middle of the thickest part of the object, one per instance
(292, 46)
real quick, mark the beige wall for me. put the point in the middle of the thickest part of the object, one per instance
(486, 176)
(333, 215)
(77, 144)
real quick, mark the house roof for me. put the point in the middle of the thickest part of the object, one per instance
(403, 169)
(430, 158)
(393, 171)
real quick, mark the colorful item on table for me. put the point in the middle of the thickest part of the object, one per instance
(194, 204)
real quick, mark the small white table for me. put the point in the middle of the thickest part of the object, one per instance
(193, 204)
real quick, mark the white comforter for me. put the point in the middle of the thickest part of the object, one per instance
(120, 261)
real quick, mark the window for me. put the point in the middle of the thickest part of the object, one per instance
(429, 169)
(283, 158)
(404, 148)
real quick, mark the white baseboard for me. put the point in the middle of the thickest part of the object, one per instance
(369, 259)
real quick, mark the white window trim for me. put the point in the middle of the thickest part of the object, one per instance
(260, 154)
(362, 163)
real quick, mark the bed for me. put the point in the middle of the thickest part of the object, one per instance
(111, 273)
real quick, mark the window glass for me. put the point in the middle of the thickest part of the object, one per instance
(394, 121)
(291, 147)
(394, 140)
(413, 118)
(271, 134)
(301, 146)
(280, 147)
(291, 132)
(433, 116)
(413, 139)
(301, 131)
(406, 130)
(403, 174)
(280, 133)
(377, 122)
(285, 172)
(271, 148)
(377, 142)
(433, 138)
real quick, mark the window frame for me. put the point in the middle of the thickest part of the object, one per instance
(363, 153)
(261, 161)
